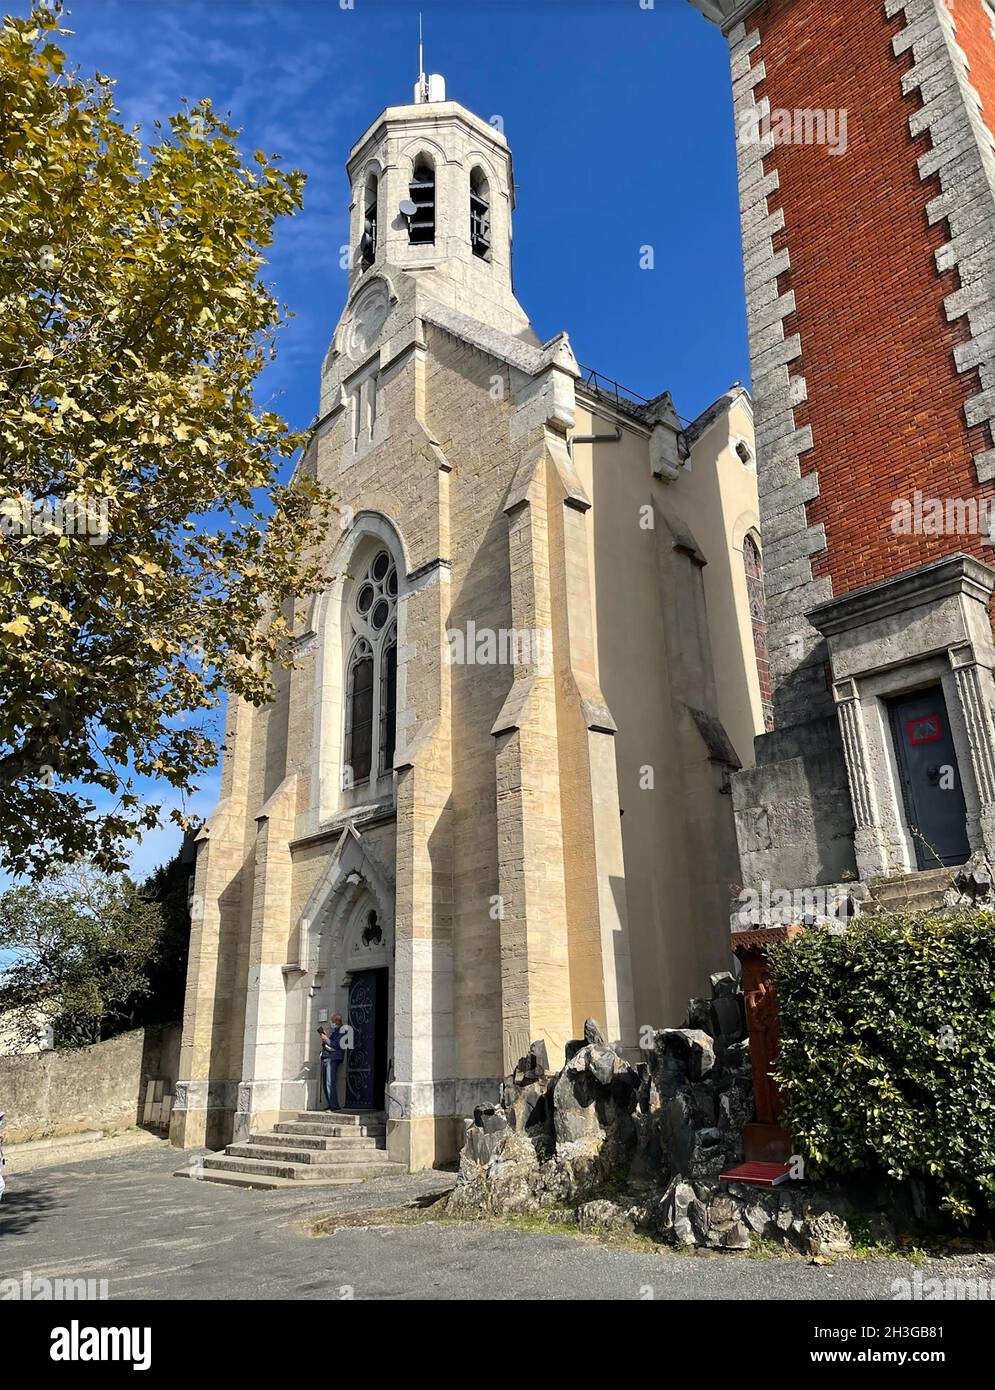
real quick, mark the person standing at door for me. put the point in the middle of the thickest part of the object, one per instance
(332, 1055)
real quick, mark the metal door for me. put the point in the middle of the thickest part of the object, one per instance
(931, 786)
(367, 1059)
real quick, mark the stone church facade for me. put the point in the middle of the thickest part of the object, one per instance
(492, 797)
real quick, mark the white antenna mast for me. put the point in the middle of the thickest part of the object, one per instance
(430, 86)
(422, 80)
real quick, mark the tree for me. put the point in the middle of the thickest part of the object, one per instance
(169, 886)
(86, 943)
(139, 575)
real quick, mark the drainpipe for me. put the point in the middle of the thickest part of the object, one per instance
(573, 439)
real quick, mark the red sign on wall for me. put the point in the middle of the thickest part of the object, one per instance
(926, 729)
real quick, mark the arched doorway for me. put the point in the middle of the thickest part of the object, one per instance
(346, 955)
(353, 968)
(368, 1022)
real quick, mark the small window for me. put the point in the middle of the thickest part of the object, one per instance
(363, 403)
(357, 416)
(480, 215)
(421, 224)
(368, 241)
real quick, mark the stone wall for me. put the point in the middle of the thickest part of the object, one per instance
(99, 1087)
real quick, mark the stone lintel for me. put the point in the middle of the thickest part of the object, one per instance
(886, 598)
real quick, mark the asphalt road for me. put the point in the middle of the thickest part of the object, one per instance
(126, 1219)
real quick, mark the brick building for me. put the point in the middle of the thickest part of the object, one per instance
(866, 146)
(492, 798)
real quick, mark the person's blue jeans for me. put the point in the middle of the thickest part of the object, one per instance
(329, 1080)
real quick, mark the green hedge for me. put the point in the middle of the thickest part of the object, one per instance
(887, 1057)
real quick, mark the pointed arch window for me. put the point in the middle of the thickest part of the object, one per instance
(360, 731)
(754, 565)
(388, 700)
(421, 224)
(480, 214)
(371, 677)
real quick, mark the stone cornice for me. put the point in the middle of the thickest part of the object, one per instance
(361, 818)
(726, 13)
(426, 116)
(954, 574)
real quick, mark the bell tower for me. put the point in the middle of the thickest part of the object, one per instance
(432, 195)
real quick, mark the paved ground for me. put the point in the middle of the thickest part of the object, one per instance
(123, 1217)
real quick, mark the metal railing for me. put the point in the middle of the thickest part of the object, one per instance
(605, 386)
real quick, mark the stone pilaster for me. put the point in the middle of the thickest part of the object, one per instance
(535, 969)
(976, 691)
(260, 1092)
(209, 1066)
(598, 936)
(797, 653)
(868, 839)
(422, 1126)
(424, 1036)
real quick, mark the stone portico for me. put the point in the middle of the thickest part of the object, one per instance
(928, 627)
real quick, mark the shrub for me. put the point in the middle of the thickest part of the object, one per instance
(887, 1055)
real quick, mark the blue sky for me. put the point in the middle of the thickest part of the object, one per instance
(620, 120)
(619, 117)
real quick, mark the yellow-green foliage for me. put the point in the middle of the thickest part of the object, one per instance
(133, 324)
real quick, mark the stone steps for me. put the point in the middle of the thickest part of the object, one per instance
(329, 1143)
(355, 1171)
(301, 1127)
(238, 1177)
(910, 892)
(327, 1157)
(340, 1117)
(345, 1146)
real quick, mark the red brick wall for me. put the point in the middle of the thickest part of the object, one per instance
(974, 34)
(885, 399)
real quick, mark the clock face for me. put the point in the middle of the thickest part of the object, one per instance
(368, 316)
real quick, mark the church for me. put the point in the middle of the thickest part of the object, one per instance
(492, 798)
